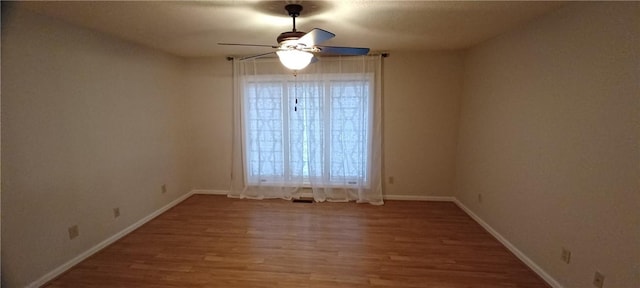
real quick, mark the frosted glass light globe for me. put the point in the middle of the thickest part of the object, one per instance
(294, 59)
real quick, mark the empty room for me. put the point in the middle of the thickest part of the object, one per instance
(320, 144)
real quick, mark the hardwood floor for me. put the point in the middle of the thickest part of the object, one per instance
(214, 241)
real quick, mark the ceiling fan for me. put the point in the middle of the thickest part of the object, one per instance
(296, 49)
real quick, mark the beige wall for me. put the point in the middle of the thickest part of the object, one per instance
(210, 93)
(89, 123)
(421, 102)
(421, 108)
(549, 135)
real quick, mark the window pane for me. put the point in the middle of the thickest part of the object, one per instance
(323, 136)
(306, 128)
(349, 124)
(264, 129)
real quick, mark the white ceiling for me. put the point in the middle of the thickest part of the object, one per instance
(193, 28)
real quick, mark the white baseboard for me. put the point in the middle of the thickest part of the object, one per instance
(543, 274)
(418, 198)
(309, 194)
(209, 192)
(64, 267)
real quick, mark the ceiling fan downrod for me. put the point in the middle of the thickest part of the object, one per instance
(294, 11)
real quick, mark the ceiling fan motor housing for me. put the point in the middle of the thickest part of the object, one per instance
(290, 35)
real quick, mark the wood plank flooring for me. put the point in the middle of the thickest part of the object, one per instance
(214, 241)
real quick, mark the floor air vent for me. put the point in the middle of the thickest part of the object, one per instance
(303, 200)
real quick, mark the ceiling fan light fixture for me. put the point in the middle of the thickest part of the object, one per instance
(294, 59)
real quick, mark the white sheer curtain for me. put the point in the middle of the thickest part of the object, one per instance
(318, 131)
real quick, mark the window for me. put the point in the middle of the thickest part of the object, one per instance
(314, 130)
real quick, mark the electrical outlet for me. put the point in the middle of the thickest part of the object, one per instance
(164, 188)
(73, 232)
(391, 180)
(479, 198)
(116, 212)
(566, 255)
(598, 280)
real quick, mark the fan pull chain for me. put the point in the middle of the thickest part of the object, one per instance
(295, 87)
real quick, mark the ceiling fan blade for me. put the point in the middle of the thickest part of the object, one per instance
(250, 45)
(315, 37)
(343, 50)
(256, 56)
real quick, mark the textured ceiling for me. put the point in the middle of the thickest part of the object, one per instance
(193, 29)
